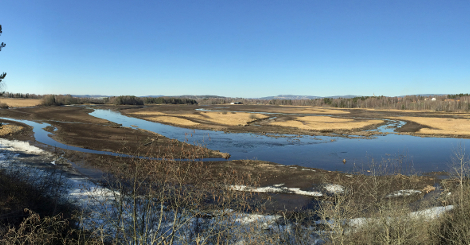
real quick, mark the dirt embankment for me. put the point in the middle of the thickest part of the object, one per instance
(75, 127)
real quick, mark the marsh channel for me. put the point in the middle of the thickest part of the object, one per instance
(420, 154)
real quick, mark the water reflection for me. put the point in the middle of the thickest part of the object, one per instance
(423, 154)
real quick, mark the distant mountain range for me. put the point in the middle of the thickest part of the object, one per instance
(290, 97)
(278, 97)
(304, 97)
(89, 96)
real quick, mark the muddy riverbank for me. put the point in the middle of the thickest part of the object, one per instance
(74, 126)
(266, 119)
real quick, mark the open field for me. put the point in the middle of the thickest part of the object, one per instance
(441, 126)
(11, 102)
(305, 110)
(197, 118)
(323, 123)
(302, 119)
(256, 118)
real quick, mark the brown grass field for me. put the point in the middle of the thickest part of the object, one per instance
(440, 126)
(11, 102)
(9, 129)
(325, 123)
(185, 119)
(306, 110)
(173, 120)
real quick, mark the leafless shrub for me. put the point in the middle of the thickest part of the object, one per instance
(373, 210)
(454, 227)
(37, 230)
(152, 201)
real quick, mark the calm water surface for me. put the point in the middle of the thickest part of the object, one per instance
(422, 154)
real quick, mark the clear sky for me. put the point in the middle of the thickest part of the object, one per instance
(242, 48)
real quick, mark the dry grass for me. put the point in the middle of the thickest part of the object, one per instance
(184, 119)
(443, 126)
(9, 129)
(308, 110)
(393, 110)
(149, 113)
(231, 119)
(325, 123)
(172, 120)
(21, 102)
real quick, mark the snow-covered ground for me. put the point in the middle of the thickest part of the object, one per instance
(401, 193)
(107, 212)
(276, 189)
(280, 188)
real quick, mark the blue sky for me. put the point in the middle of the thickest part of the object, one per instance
(240, 48)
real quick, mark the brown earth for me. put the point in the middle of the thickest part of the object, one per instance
(280, 120)
(76, 128)
(261, 174)
(304, 120)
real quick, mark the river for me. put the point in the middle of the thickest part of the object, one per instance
(421, 154)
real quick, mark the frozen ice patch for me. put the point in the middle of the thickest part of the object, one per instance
(15, 145)
(402, 193)
(334, 188)
(426, 214)
(431, 213)
(276, 189)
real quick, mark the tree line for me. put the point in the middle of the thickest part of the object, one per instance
(450, 103)
(22, 96)
(134, 100)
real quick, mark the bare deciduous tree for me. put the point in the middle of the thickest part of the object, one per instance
(2, 75)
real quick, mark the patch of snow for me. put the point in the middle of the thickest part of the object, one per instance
(426, 214)
(348, 175)
(403, 193)
(309, 169)
(99, 205)
(431, 213)
(22, 146)
(276, 189)
(250, 218)
(334, 188)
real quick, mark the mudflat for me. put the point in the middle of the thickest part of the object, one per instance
(303, 120)
(75, 127)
